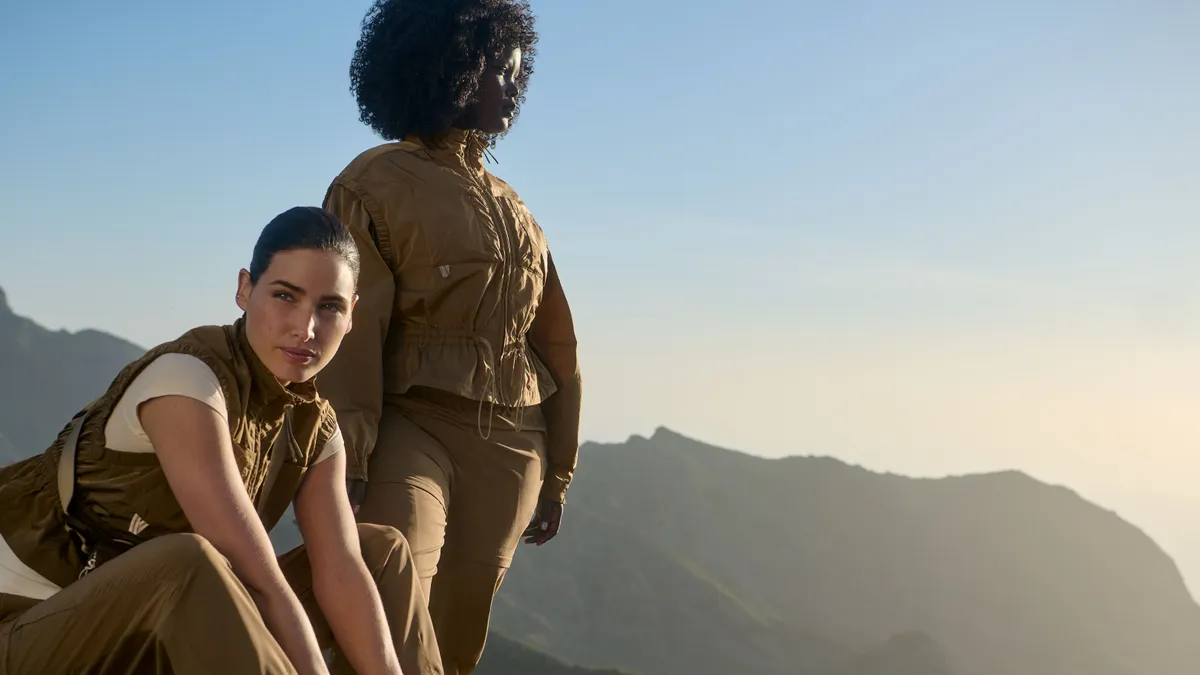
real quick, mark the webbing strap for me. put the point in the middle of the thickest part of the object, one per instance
(66, 462)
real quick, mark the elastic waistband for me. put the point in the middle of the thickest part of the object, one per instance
(461, 410)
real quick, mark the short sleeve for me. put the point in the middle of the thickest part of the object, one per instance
(334, 445)
(168, 375)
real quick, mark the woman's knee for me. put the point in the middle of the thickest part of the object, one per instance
(382, 544)
(187, 551)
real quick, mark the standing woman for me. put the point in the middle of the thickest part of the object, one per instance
(459, 391)
(137, 543)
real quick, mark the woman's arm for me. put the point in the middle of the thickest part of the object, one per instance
(341, 582)
(196, 453)
(552, 336)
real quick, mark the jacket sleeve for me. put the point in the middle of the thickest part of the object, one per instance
(352, 382)
(552, 336)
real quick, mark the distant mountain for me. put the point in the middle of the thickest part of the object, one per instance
(47, 376)
(507, 657)
(911, 653)
(678, 557)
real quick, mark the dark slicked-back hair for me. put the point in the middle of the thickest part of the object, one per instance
(303, 228)
(418, 62)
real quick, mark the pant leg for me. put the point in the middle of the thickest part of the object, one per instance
(410, 486)
(389, 559)
(460, 606)
(495, 488)
(169, 606)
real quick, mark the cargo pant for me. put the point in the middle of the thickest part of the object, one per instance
(461, 481)
(173, 606)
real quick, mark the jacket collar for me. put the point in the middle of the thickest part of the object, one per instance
(462, 148)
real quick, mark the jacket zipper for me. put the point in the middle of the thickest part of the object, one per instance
(505, 278)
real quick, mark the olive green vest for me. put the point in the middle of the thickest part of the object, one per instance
(116, 499)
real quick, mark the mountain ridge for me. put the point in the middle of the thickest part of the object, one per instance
(50, 374)
(1023, 544)
(1015, 478)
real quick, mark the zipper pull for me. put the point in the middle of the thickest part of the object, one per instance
(91, 565)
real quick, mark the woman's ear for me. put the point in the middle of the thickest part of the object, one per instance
(350, 313)
(244, 287)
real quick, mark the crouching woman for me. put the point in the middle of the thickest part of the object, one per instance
(138, 542)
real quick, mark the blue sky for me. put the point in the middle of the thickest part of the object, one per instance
(928, 237)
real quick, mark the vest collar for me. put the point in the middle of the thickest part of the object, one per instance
(265, 388)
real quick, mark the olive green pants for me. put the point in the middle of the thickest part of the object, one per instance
(173, 606)
(461, 482)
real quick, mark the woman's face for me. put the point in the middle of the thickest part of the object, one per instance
(496, 100)
(298, 311)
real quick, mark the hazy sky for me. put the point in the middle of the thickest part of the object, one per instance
(927, 237)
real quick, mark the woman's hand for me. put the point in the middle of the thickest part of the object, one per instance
(195, 451)
(544, 525)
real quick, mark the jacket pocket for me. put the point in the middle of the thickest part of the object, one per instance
(447, 294)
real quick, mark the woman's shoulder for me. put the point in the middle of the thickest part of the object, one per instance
(164, 374)
(394, 158)
(179, 365)
(504, 189)
(204, 354)
(181, 374)
(383, 178)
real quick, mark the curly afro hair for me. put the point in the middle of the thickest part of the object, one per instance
(417, 64)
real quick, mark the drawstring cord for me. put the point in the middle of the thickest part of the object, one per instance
(492, 392)
(519, 411)
(479, 418)
(489, 389)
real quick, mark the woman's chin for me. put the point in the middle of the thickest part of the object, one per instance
(496, 126)
(285, 370)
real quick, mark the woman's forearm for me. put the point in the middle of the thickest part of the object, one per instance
(195, 450)
(288, 623)
(349, 599)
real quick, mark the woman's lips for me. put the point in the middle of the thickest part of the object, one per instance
(299, 356)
